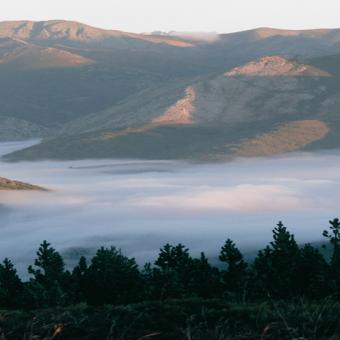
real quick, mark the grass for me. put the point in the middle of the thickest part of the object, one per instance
(192, 319)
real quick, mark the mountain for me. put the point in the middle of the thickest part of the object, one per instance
(7, 184)
(19, 54)
(330, 35)
(91, 92)
(54, 72)
(268, 106)
(74, 33)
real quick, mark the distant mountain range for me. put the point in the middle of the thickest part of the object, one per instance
(93, 93)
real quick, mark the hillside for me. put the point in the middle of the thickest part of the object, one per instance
(268, 106)
(108, 93)
(19, 129)
(55, 72)
(7, 184)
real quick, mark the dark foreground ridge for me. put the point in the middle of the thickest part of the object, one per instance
(288, 291)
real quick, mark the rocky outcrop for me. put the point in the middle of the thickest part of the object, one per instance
(7, 184)
(181, 112)
(276, 66)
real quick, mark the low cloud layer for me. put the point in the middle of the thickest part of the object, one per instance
(238, 198)
(207, 37)
(203, 37)
(139, 206)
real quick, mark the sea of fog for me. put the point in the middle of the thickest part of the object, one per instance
(139, 206)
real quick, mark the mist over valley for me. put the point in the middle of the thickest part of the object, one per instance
(139, 206)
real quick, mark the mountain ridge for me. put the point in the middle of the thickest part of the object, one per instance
(109, 93)
(59, 30)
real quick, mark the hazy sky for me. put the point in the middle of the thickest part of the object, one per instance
(182, 15)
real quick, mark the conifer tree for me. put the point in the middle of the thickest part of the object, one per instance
(236, 272)
(171, 257)
(112, 278)
(334, 237)
(49, 265)
(312, 275)
(11, 287)
(275, 267)
(77, 281)
(205, 279)
(47, 285)
(174, 271)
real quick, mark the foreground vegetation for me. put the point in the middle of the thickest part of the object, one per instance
(287, 292)
(194, 319)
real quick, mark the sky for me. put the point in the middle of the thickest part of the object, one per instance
(221, 16)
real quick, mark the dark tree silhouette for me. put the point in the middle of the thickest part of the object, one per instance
(275, 268)
(47, 285)
(205, 279)
(49, 265)
(173, 274)
(334, 237)
(282, 270)
(172, 257)
(11, 287)
(112, 278)
(78, 280)
(312, 273)
(235, 275)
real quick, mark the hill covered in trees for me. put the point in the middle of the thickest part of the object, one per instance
(288, 291)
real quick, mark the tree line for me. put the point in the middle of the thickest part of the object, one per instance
(282, 270)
